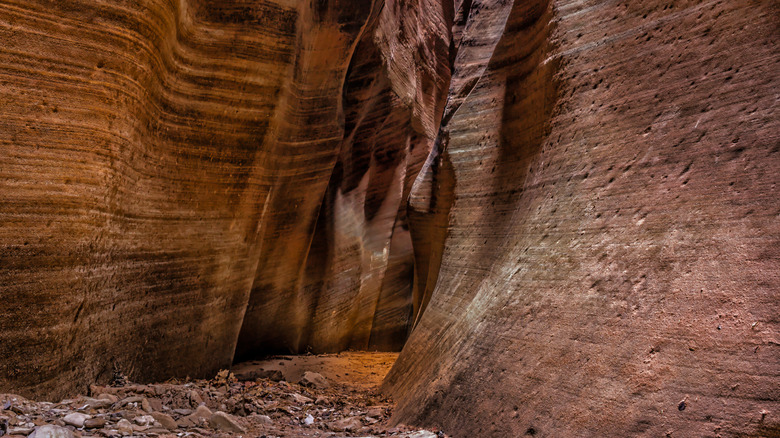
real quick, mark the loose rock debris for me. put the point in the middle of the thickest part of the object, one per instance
(221, 407)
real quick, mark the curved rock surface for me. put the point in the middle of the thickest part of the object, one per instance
(574, 203)
(163, 166)
(611, 264)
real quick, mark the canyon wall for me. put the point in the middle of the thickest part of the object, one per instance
(163, 165)
(611, 264)
(574, 203)
(353, 288)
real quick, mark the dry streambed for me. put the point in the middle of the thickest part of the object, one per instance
(256, 402)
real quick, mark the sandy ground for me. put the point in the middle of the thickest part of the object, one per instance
(358, 369)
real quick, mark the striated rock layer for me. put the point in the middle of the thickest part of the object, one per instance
(163, 165)
(597, 228)
(591, 246)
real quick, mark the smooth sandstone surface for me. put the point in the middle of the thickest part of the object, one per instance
(574, 203)
(604, 211)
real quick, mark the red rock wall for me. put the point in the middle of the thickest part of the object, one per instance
(611, 265)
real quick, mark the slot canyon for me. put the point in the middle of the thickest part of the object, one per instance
(562, 216)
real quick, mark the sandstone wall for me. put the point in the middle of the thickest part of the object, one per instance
(591, 246)
(612, 261)
(162, 168)
(353, 289)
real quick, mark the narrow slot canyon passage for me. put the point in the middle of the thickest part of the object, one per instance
(389, 218)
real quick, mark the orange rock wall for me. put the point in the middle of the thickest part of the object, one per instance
(163, 165)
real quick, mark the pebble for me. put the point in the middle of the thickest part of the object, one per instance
(110, 397)
(76, 419)
(202, 412)
(421, 434)
(20, 430)
(349, 424)
(144, 420)
(51, 431)
(167, 409)
(124, 427)
(300, 398)
(96, 403)
(228, 423)
(376, 412)
(262, 418)
(165, 420)
(314, 380)
(155, 405)
(128, 400)
(95, 423)
(200, 415)
(195, 398)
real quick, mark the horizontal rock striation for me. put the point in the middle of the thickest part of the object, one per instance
(163, 166)
(573, 203)
(612, 256)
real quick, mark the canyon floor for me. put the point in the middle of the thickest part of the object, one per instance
(334, 395)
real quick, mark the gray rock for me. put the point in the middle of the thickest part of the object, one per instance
(226, 422)
(315, 380)
(144, 420)
(20, 430)
(51, 431)
(98, 403)
(124, 427)
(76, 419)
(421, 434)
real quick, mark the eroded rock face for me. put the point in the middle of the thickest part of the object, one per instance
(352, 289)
(612, 257)
(590, 244)
(163, 168)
